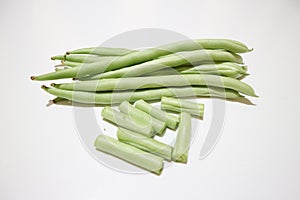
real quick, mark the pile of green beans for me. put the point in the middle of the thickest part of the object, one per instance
(106, 77)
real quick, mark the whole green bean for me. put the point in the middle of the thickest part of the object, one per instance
(124, 121)
(139, 116)
(102, 51)
(66, 102)
(171, 120)
(158, 82)
(183, 138)
(89, 58)
(129, 153)
(145, 143)
(172, 60)
(71, 64)
(145, 55)
(58, 57)
(228, 69)
(178, 105)
(109, 98)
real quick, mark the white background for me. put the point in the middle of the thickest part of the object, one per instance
(41, 156)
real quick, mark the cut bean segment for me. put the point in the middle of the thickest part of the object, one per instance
(143, 118)
(130, 154)
(171, 120)
(145, 143)
(124, 121)
(183, 139)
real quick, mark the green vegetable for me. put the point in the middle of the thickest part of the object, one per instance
(66, 102)
(159, 81)
(84, 58)
(172, 60)
(177, 105)
(145, 143)
(71, 64)
(228, 69)
(102, 51)
(153, 94)
(149, 54)
(124, 121)
(58, 57)
(183, 138)
(171, 120)
(130, 154)
(143, 118)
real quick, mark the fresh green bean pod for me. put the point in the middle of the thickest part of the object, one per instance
(158, 82)
(183, 139)
(125, 121)
(228, 69)
(66, 102)
(145, 143)
(108, 98)
(102, 51)
(61, 67)
(168, 71)
(178, 105)
(129, 153)
(58, 57)
(143, 118)
(171, 120)
(172, 60)
(150, 54)
(89, 59)
(71, 63)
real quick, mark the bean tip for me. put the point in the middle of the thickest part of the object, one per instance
(32, 77)
(51, 102)
(68, 52)
(53, 84)
(44, 87)
(250, 49)
(52, 58)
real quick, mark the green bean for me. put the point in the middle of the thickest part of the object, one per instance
(129, 153)
(172, 60)
(58, 57)
(167, 71)
(125, 121)
(102, 51)
(183, 138)
(143, 118)
(66, 102)
(145, 143)
(146, 55)
(71, 64)
(177, 105)
(171, 120)
(228, 69)
(89, 59)
(109, 98)
(158, 82)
